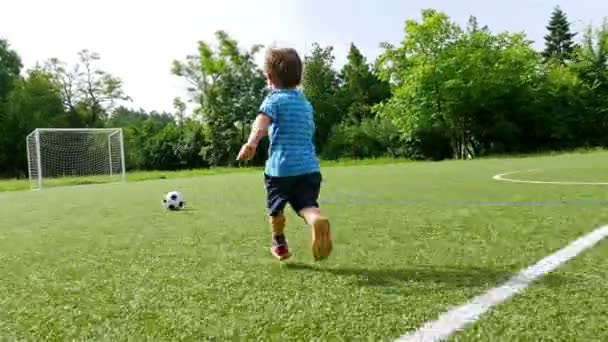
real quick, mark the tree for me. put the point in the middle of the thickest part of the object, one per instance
(227, 88)
(592, 67)
(68, 81)
(10, 67)
(592, 56)
(180, 110)
(412, 69)
(89, 93)
(487, 82)
(469, 85)
(100, 89)
(35, 102)
(320, 83)
(360, 88)
(559, 43)
(559, 104)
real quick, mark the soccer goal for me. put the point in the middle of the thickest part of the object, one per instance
(68, 156)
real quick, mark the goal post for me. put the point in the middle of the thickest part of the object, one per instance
(67, 156)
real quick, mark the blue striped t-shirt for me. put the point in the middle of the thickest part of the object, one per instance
(291, 132)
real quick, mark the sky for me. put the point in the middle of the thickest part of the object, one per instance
(138, 40)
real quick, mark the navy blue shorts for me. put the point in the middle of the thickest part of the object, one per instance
(299, 191)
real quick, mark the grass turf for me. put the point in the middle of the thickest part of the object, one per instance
(568, 305)
(411, 240)
(137, 176)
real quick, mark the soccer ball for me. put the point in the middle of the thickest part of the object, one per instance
(173, 200)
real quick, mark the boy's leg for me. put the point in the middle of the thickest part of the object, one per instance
(304, 202)
(276, 203)
(279, 246)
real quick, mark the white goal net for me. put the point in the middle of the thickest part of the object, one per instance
(75, 156)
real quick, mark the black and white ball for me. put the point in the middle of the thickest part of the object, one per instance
(173, 200)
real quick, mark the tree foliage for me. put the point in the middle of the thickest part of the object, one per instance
(227, 88)
(488, 92)
(34, 102)
(320, 83)
(559, 42)
(360, 88)
(89, 93)
(10, 67)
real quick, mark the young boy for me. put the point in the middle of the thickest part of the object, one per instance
(292, 174)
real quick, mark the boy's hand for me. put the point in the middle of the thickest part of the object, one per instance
(247, 152)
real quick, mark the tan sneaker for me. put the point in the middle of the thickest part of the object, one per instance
(321, 239)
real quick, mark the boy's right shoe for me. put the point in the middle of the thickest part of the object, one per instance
(279, 248)
(321, 239)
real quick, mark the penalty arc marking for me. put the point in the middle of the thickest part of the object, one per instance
(503, 177)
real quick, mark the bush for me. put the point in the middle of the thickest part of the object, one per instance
(371, 138)
(431, 142)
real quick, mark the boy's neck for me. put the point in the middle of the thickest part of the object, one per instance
(283, 89)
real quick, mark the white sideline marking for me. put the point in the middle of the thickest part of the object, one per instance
(501, 177)
(459, 317)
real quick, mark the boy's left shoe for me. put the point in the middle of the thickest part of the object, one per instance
(279, 248)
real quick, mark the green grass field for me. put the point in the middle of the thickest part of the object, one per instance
(137, 176)
(411, 240)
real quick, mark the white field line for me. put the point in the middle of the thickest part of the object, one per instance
(459, 317)
(501, 177)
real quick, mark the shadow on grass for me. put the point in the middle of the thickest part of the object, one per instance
(187, 209)
(452, 276)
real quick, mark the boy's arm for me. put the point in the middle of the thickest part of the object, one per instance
(259, 130)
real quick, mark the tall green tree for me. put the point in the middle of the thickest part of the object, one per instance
(360, 88)
(180, 110)
(486, 87)
(321, 86)
(412, 69)
(592, 56)
(227, 88)
(89, 93)
(469, 84)
(559, 42)
(35, 102)
(68, 78)
(10, 67)
(592, 68)
(560, 109)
